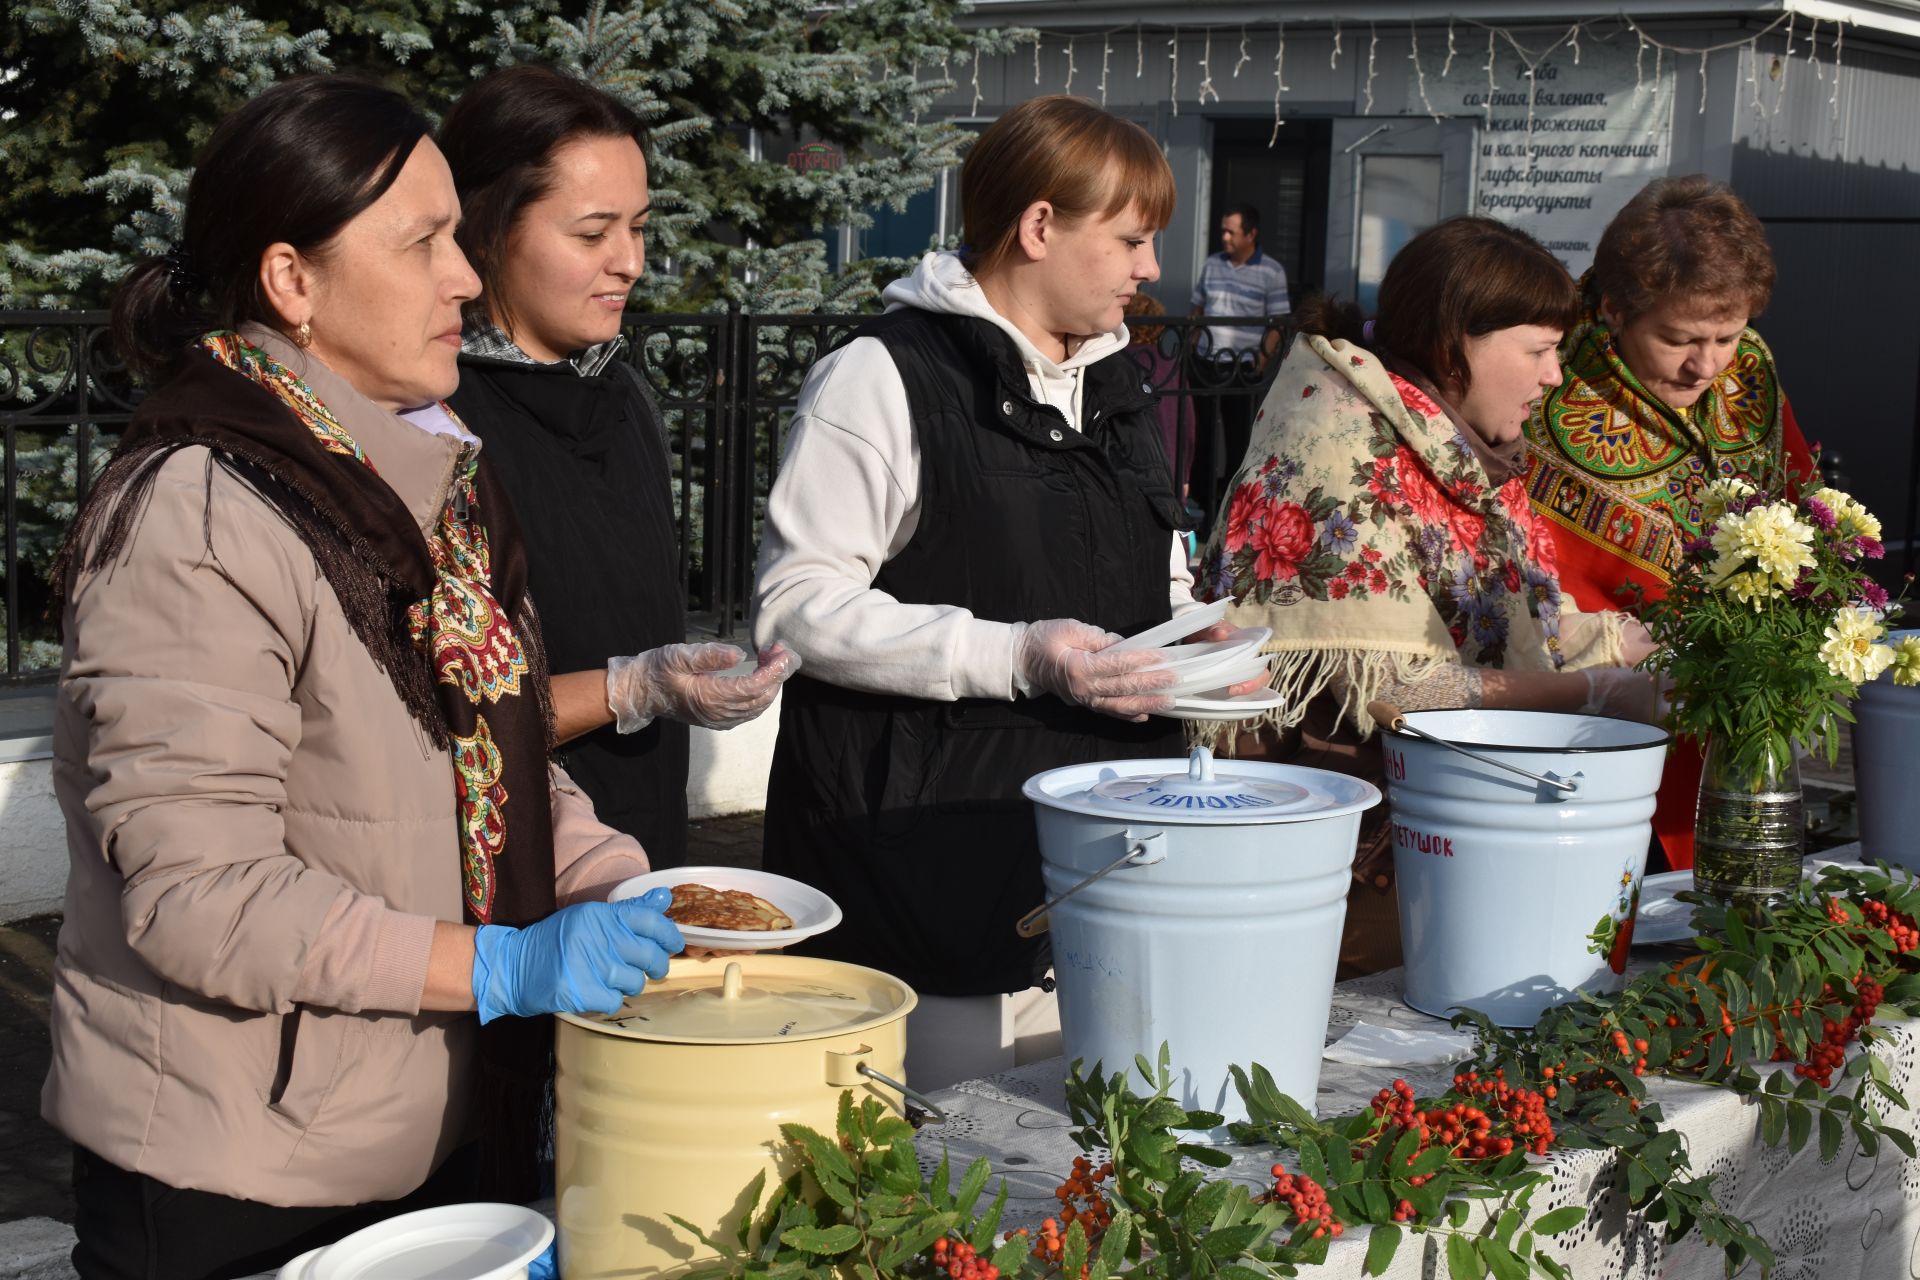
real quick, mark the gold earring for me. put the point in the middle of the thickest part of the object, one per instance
(303, 336)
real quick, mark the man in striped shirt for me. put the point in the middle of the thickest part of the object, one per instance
(1239, 281)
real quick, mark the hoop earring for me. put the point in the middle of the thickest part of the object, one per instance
(303, 336)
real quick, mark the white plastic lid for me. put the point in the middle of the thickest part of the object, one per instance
(1201, 789)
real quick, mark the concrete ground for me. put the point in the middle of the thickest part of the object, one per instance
(36, 1164)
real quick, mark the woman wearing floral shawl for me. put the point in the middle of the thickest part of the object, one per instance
(1667, 390)
(1379, 527)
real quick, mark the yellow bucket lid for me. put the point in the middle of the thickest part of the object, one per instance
(756, 999)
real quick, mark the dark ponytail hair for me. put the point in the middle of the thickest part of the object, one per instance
(1462, 278)
(295, 164)
(499, 140)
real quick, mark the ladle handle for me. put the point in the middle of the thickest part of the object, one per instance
(1385, 713)
(934, 1114)
(1034, 923)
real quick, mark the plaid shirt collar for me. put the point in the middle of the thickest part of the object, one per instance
(485, 341)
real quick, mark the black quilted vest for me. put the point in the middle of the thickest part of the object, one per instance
(908, 812)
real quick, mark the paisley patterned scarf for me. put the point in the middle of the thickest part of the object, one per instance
(445, 616)
(475, 655)
(1619, 473)
(1363, 529)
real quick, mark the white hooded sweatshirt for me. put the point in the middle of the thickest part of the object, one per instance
(847, 500)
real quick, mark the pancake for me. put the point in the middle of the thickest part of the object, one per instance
(705, 907)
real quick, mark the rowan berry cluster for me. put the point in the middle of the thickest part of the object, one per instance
(1898, 926)
(1051, 1247)
(1081, 1199)
(1636, 1050)
(1307, 1199)
(957, 1260)
(1830, 1054)
(1467, 1128)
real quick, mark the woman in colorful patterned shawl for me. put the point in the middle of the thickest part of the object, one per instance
(1667, 389)
(1378, 526)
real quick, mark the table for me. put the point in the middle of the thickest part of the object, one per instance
(1857, 1216)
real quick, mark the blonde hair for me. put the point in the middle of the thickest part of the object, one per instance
(1067, 151)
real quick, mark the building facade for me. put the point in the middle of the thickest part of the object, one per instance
(1352, 126)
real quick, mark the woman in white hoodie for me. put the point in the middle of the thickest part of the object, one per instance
(973, 505)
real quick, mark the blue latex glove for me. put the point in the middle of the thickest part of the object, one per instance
(585, 958)
(547, 1265)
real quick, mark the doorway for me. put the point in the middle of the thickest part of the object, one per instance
(1286, 182)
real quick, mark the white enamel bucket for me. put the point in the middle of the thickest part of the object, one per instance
(1886, 740)
(1217, 933)
(1514, 893)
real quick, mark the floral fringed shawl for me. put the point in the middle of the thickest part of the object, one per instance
(1365, 532)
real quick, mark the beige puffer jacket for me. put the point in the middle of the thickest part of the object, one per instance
(261, 840)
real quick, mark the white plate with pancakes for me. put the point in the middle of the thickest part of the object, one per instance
(805, 909)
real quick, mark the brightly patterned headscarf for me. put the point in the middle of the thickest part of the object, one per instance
(1620, 473)
(1366, 533)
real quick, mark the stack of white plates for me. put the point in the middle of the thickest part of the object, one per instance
(1204, 672)
(454, 1242)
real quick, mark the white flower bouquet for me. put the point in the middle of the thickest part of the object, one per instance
(1772, 624)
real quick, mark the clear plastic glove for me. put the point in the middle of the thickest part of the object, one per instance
(586, 958)
(1063, 657)
(1636, 642)
(684, 682)
(1624, 693)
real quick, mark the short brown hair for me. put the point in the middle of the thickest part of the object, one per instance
(1145, 304)
(1687, 237)
(499, 140)
(1065, 150)
(1463, 278)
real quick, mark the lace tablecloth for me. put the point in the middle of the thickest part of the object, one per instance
(1854, 1216)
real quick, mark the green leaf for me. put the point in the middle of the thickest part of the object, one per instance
(1212, 1157)
(1831, 1132)
(822, 1240)
(1503, 1262)
(1075, 1255)
(1180, 1190)
(1008, 1257)
(1379, 1207)
(1463, 1258)
(940, 1186)
(1799, 1124)
(982, 1237)
(825, 1160)
(1381, 1246)
(1565, 1218)
(972, 1184)
(915, 1242)
(1113, 1244)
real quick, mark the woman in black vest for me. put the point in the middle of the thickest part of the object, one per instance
(972, 504)
(553, 186)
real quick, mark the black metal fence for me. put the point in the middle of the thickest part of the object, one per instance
(727, 381)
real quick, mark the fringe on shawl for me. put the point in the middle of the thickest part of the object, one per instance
(1356, 676)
